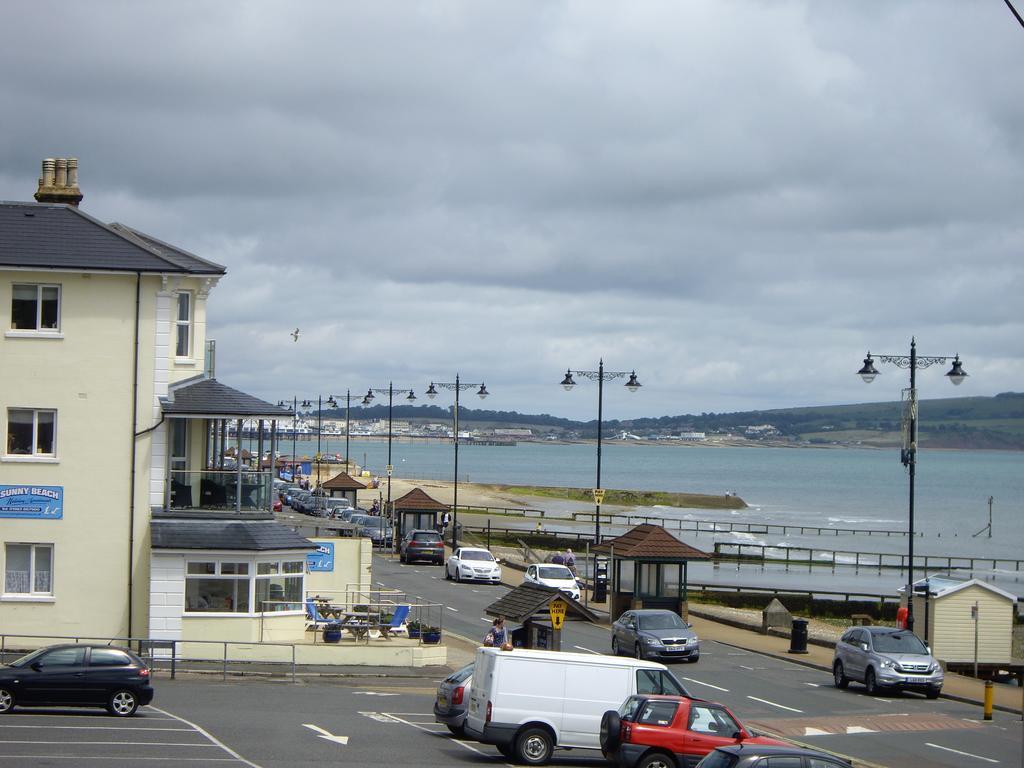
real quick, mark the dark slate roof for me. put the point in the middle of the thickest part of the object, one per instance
(417, 498)
(528, 599)
(251, 535)
(650, 541)
(56, 236)
(343, 482)
(200, 396)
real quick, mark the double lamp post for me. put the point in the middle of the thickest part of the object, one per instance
(390, 391)
(908, 455)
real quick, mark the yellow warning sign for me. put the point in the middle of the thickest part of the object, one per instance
(598, 496)
(557, 609)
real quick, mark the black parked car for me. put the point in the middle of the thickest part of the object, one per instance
(751, 756)
(77, 676)
(422, 544)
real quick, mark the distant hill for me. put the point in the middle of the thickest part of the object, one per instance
(958, 422)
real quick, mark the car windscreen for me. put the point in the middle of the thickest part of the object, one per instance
(554, 572)
(666, 620)
(476, 555)
(460, 676)
(27, 659)
(898, 642)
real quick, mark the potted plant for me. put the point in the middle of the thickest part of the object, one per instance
(415, 628)
(430, 635)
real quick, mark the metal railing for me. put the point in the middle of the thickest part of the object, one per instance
(220, 489)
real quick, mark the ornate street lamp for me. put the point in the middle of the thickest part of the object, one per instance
(410, 396)
(458, 387)
(908, 454)
(600, 376)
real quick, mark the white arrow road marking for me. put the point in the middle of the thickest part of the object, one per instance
(958, 752)
(808, 731)
(372, 693)
(858, 729)
(773, 704)
(709, 685)
(343, 740)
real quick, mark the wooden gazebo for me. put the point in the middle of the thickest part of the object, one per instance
(416, 510)
(648, 567)
(530, 605)
(345, 485)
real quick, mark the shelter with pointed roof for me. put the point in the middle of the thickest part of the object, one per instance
(416, 510)
(345, 485)
(529, 605)
(648, 569)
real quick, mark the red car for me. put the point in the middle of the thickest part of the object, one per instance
(670, 732)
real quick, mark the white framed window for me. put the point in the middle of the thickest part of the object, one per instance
(279, 585)
(35, 308)
(183, 325)
(214, 586)
(31, 432)
(28, 570)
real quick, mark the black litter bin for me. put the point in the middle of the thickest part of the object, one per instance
(798, 636)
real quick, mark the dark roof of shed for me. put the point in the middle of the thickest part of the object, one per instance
(417, 498)
(251, 535)
(342, 482)
(200, 396)
(57, 236)
(527, 599)
(650, 541)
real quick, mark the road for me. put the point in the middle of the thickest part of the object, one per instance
(770, 693)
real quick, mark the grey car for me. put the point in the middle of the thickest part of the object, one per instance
(886, 658)
(758, 756)
(453, 700)
(655, 634)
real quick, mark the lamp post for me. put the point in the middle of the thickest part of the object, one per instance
(908, 454)
(457, 386)
(295, 429)
(600, 376)
(410, 396)
(319, 425)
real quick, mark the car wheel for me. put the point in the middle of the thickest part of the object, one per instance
(458, 576)
(931, 693)
(610, 730)
(122, 704)
(693, 659)
(615, 646)
(638, 652)
(6, 701)
(839, 675)
(870, 682)
(657, 760)
(534, 746)
(447, 573)
(457, 730)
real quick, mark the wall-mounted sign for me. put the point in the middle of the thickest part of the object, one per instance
(321, 558)
(32, 501)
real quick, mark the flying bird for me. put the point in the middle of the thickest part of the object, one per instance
(295, 335)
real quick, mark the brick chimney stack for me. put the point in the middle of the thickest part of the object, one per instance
(59, 182)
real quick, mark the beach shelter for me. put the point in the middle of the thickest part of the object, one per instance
(648, 567)
(536, 608)
(416, 510)
(342, 484)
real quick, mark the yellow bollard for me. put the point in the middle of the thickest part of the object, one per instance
(989, 694)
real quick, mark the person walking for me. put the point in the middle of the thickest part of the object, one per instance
(498, 635)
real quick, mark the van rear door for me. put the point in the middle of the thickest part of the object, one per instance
(483, 684)
(590, 691)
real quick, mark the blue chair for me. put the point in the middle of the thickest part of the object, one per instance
(315, 621)
(397, 620)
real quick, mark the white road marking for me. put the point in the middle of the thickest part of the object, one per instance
(744, 666)
(373, 693)
(958, 752)
(808, 731)
(773, 704)
(419, 727)
(97, 728)
(119, 743)
(709, 685)
(452, 609)
(581, 648)
(204, 760)
(327, 735)
(380, 717)
(813, 685)
(850, 729)
(212, 738)
(484, 618)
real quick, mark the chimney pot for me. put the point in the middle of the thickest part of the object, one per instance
(62, 173)
(59, 183)
(49, 165)
(73, 172)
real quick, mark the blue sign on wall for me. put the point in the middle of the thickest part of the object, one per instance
(321, 558)
(32, 501)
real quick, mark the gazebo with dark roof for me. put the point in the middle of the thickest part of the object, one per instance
(416, 510)
(344, 484)
(648, 569)
(528, 604)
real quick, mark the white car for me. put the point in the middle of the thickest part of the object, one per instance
(472, 563)
(557, 576)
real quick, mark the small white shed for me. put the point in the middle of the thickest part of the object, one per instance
(943, 616)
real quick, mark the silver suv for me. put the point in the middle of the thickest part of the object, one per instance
(886, 658)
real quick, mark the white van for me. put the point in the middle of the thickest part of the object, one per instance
(527, 703)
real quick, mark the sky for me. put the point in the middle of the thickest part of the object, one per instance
(737, 200)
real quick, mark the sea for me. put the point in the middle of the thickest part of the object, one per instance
(825, 487)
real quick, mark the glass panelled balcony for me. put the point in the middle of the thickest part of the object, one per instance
(220, 489)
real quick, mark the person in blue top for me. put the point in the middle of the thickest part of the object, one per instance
(498, 635)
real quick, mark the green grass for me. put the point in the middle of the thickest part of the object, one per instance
(627, 498)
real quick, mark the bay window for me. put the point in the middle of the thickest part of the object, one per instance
(223, 585)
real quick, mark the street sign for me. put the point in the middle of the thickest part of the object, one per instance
(598, 496)
(390, 469)
(557, 609)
